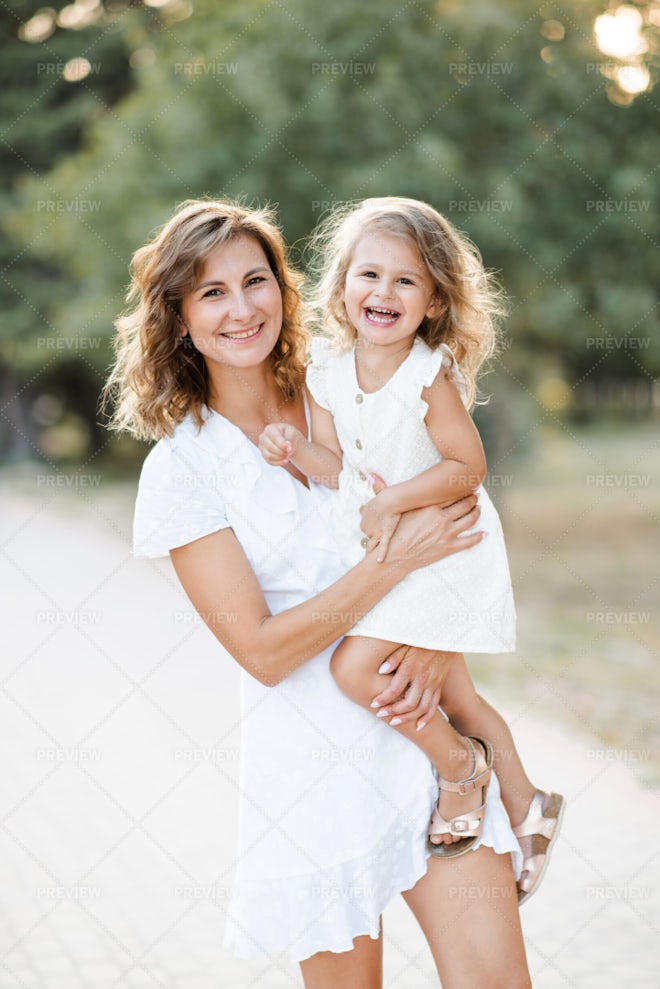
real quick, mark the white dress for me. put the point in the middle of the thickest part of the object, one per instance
(463, 603)
(334, 805)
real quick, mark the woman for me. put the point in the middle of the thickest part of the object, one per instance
(334, 804)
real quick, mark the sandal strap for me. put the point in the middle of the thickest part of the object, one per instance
(538, 822)
(476, 780)
(531, 871)
(462, 826)
(468, 785)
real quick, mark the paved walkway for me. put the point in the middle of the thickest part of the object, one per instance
(118, 730)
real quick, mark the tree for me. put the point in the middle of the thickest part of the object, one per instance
(60, 69)
(500, 115)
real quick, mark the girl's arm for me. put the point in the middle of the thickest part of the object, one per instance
(319, 459)
(218, 579)
(461, 471)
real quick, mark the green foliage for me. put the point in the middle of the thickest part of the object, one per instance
(488, 111)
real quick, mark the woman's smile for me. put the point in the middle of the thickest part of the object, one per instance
(246, 335)
(234, 314)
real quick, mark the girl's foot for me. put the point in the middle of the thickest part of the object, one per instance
(536, 835)
(449, 838)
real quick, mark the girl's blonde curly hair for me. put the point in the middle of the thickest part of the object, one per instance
(468, 301)
(159, 376)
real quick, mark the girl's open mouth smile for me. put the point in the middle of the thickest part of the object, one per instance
(380, 317)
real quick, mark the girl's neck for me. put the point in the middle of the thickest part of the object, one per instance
(375, 365)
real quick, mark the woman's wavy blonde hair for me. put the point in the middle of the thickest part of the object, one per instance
(468, 300)
(159, 376)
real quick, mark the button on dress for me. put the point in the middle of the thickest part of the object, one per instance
(463, 603)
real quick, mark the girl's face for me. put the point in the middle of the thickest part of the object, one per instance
(388, 290)
(234, 313)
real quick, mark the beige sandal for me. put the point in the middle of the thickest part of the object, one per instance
(465, 826)
(537, 834)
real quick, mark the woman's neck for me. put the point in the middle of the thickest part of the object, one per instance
(249, 397)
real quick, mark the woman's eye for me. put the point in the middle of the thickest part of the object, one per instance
(212, 293)
(256, 279)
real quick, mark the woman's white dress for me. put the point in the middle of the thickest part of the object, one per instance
(334, 805)
(463, 603)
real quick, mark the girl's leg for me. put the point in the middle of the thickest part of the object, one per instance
(361, 968)
(472, 715)
(468, 910)
(354, 665)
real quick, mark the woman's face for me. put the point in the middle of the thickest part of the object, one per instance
(234, 313)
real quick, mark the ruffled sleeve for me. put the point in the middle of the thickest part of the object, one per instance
(318, 371)
(179, 499)
(433, 360)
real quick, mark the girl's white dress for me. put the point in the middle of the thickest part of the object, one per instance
(333, 804)
(463, 603)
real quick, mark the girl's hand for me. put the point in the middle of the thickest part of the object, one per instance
(415, 687)
(279, 442)
(379, 522)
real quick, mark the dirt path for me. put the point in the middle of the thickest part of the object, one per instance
(119, 734)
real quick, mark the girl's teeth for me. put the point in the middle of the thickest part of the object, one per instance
(382, 315)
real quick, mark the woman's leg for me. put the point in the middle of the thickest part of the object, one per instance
(361, 968)
(354, 666)
(472, 715)
(467, 908)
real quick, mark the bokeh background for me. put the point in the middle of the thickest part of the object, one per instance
(534, 128)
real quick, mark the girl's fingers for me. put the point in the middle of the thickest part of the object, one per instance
(383, 545)
(377, 483)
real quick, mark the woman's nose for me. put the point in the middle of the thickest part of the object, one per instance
(241, 306)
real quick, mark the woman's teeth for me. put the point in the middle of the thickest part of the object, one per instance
(243, 335)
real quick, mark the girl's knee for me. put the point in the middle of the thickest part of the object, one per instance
(344, 672)
(463, 706)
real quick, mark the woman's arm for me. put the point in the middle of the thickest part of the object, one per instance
(319, 459)
(223, 588)
(461, 471)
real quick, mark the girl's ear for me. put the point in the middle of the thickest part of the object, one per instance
(434, 306)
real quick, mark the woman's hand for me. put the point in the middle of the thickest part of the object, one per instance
(426, 535)
(415, 687)
(279, 442)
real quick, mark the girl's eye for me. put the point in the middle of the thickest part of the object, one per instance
(406, 281)
(369, 274)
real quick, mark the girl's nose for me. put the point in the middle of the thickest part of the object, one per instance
(385, 290)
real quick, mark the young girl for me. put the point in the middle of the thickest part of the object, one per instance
(411, 311)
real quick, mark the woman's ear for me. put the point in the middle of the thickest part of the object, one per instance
(184, 329)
